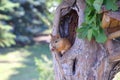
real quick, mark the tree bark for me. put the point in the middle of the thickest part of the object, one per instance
(85, 60)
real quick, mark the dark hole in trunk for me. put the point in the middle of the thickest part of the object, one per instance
(68, 25)
(74, 66)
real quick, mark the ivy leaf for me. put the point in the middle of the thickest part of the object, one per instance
(89, 2)
(88, 12)
(97, 5)
(111, 5)
(89, 36)
(92, 19)
(95, 31)
(91, 25)
(82, 32)
(101, 38)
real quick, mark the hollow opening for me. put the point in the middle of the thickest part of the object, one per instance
(68, 25)
(74, 66)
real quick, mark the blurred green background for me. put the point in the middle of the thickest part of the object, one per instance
(24, 39)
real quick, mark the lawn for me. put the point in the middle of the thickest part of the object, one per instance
(19, 63)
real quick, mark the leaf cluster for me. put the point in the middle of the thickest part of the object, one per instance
(28, 18)
(91, 27)
(45, 68)
(6, 35)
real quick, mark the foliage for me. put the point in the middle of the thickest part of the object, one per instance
(28, 18)
(51, 5)
(6, 37)
(45, 68)
(111, 5)
(91, 27)
(31, 18)
(6, 5)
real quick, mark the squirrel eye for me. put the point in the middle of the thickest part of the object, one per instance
(56, 41)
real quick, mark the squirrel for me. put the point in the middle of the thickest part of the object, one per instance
(60, 45)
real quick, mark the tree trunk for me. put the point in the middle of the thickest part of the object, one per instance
(85, 60)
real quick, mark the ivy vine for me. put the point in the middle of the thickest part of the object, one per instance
(91, 27)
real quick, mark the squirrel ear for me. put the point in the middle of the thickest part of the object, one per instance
(58, 36)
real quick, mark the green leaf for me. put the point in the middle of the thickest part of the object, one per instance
(82, 32)
(8, 5)
(92, 19)
(111, 5)
(97, 5)
(89, 2)
(91, 27)
(1, 44)
(6, 43)
(101, 38)
(95, 31)
(80, 29)
(89, 36)
(89, 14)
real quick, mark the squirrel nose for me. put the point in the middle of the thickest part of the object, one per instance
(52, 49)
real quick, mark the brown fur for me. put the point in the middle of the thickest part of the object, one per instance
(60, 45)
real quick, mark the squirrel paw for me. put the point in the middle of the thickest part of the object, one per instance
(63, 51)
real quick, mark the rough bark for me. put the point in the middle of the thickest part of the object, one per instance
(84, 60)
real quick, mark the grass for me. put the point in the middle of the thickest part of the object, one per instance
(19, 63)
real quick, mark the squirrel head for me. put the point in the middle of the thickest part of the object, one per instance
(54, 40)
